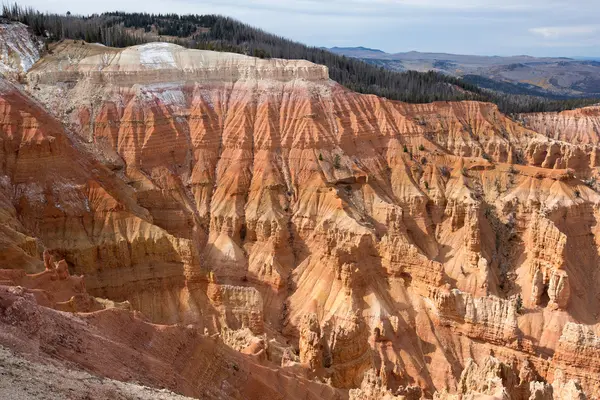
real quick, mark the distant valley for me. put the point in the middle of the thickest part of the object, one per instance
(549, 77)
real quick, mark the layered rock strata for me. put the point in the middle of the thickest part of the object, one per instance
(368, 247)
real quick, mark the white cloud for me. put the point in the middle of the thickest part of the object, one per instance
(555, 32)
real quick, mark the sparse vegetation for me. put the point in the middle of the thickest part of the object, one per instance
(421, 147)
(568, 175)
(320, 157)
(577, 193)
(591, 183)
(519, 158)
(405, 149)
(519, 304)
(336, 161)
(427, 185)
(498, 185)
(445, 171)
(487, 211)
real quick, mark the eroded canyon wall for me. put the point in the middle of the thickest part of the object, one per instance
(380, 248)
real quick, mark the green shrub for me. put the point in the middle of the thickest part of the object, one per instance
(336, 161)
(519, 304)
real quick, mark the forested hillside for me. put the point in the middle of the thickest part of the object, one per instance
(219, 33)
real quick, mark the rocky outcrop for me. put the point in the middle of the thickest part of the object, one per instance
(581, 126)
(311, 342)
(567, 389)
(340, 352)
(54, 287)
(577, 355)
(239, 307)
(547, 265)
(19, 49)
(541, 391)
(372, 388)
(489, 318)
(491, 378)
(154, 63)
(349, 353)
(559, 290)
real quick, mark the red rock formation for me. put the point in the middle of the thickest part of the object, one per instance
(581, 126)
(54, 287)
(341, 238)
(577, 355)
(489, 318)
(119, 344)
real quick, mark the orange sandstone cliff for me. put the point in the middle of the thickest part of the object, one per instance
(229, 227)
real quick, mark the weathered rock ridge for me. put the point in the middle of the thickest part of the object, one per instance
(365, 247)
(19, 49)
(581, 126)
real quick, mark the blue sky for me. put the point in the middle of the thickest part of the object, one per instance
(486, 27)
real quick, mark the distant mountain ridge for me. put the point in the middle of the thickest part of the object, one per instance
(417, 55)
(359, 52)
(558, 77)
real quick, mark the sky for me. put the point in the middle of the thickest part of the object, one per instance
(569, 28)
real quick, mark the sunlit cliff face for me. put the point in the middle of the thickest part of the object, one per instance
(326, 243)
